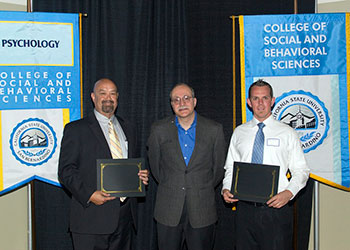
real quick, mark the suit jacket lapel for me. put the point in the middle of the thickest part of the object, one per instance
(174, 136)
(97, 131)
(199, 134)
(128, 135)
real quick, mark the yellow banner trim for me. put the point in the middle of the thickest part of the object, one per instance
(65, 116)
(81, 63)
(234, 71)
(330, 183)
(241, 45)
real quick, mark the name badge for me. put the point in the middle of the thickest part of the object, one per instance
(273, 142)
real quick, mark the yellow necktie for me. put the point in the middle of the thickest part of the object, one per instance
(115, 148)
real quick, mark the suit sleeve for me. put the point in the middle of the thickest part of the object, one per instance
(69, 166)
(153, 148)
(232, 155)
(219, 155)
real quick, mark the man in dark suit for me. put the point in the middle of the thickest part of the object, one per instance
(186, 154)
(97, 220)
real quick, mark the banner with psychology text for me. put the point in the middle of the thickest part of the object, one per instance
(305, 58)
(40, 91)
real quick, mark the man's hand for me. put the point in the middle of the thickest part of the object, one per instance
(143, 175)
(99, 198)
(280, 199)
(228, 197)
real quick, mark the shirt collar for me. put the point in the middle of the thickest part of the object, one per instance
(103, 119)
(194, 123)
(267, 121)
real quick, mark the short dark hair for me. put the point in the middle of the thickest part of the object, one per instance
(260, 83)
(182, 84)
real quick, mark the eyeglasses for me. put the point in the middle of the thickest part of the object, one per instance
(185, 99)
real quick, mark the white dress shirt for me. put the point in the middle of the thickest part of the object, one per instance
(281, 147)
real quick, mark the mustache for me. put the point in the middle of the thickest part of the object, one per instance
(182, 107)
(107, 102)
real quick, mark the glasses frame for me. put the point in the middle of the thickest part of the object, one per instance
(184, 99)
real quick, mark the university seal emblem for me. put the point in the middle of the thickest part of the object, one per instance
(306, 113)
(33, 141)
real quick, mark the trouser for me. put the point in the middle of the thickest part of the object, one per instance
(259, 227)
(174, 238)
(120, 239)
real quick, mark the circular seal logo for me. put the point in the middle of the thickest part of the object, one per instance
(305, 113)
(33, 142)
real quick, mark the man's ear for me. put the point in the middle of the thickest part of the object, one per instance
(273, 101)
(249, 103)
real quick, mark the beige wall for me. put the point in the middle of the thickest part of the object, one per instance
(334, 219)
(331, 7)
(13, 7)
(14, 220)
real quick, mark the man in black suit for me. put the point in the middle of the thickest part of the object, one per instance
(97, 220)
(187, 155)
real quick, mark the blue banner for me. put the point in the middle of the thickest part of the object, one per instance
(305, 58)
(40, 91)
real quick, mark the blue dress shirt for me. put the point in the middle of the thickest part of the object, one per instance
(187, 139)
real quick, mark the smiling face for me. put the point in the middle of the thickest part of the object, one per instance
(105, 97)
(261, 102)
(182, 102)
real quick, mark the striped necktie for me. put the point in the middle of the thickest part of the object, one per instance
(258, 148)
(115, 147)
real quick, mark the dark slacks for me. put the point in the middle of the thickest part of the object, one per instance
(263, 228)
(174, 238)
(120, 239)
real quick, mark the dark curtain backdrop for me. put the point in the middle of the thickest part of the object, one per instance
(146, 46)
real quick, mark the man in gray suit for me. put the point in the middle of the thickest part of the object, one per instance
(186, 154)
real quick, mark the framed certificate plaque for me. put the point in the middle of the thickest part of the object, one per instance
(254, 182)
(119, 177)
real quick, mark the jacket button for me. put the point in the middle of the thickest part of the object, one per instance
(183, 188)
